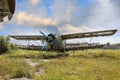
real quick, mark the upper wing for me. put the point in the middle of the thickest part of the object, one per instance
(89, 34)
(27, 37)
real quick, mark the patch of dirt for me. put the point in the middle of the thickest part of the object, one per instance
(46, 60)
(40, 71)
(21, 79)
(31, 63)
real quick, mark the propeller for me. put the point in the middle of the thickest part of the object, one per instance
(45, 45)
(43, 34)
(49, 39)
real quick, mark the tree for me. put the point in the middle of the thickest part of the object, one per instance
(3, 45)
(12, 46)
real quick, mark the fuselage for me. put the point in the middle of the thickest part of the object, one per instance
(52, 45)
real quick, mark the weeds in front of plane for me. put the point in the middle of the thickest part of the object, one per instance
(83, 65)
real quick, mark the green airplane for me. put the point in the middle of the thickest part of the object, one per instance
(7, 9)
(58, 42)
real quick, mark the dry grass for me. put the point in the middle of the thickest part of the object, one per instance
(84, 65)
(13, 68)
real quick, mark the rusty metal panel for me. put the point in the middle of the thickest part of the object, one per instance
(27, 37)
(68, 48)
(29, 47)
(89, 34)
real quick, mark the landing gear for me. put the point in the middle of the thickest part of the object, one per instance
(65, 54)
(52, 54)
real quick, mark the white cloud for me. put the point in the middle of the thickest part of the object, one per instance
(103, 13)
(100, 14)
(35, 2)
(33, 20)
(68, 28)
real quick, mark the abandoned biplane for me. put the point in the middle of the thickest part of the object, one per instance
(7, 9)
(58, 43)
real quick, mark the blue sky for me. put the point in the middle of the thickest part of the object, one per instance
(64, 16)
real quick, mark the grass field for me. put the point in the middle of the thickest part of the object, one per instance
(83, 65)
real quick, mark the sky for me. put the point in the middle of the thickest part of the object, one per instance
(64, 17)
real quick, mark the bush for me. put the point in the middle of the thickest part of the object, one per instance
(3, 45)
(12, 46)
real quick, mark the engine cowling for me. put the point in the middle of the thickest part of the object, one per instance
(50, 38)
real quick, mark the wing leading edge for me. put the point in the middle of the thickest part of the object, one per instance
(89, 34)
(27, 37)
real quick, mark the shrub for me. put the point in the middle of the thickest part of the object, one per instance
(12, 46)
(3, 45)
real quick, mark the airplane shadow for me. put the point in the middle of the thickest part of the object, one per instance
(47, 56)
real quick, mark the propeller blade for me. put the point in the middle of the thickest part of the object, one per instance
(43, 34)
(56, 42)
(44, 45)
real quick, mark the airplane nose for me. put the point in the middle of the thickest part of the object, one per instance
(50, 38)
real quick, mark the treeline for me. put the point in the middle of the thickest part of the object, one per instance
(5, 46)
